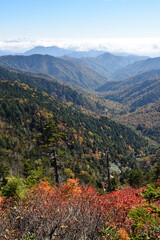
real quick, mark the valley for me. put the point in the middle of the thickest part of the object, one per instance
(91, 83)
(72, 135)
(79, 120)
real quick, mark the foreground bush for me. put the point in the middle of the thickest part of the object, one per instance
(118, 205)
(146, 218)
(69, 211)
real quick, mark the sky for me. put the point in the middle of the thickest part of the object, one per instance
(112, 25)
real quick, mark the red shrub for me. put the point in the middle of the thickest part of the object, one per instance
(118, 205)
(69, 211)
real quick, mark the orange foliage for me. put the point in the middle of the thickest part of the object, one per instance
(68, 210)
(71, 189)
(123, 233)
(64, 211)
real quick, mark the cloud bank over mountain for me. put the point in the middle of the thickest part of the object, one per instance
(140, 46)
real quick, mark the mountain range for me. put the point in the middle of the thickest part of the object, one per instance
(36, 88)
(88, 73)
(115, 85)
(65, 93)
(108, 63)
(67, 71)
(137, 68)
(125, 98)
(60, 52)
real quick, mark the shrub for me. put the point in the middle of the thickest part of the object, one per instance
(146, 218)
(67, 212)
(15, 188)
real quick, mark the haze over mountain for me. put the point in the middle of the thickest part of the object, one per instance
(3, 53)
(88, 73)
(114, 62)
(53, 51)
(137, 68)
(108, 63)
(65, 70)
(60, 52)
(90, 53)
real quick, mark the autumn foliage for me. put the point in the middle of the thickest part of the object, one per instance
(68, 211)
(119, 203)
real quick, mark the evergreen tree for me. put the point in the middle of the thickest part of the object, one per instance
(49, 141)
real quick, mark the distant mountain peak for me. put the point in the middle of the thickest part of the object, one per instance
(60, 52)
(52, 50)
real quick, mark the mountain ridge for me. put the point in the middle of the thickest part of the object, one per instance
(59, 90)
(108, 63)
(24, 112)
(137, 68)
(65, 70)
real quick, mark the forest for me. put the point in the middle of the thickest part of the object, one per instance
(74, 165)
(54, 172)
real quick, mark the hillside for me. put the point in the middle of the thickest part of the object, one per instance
(24, 111)
(137, 68)
(137, 95)
(141, 97)
(88, 102)
(145, 119)
(133, 104)
(115, 85)
(108, 63)
(113, 62)
(69, 72)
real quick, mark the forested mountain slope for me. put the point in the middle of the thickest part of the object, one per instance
(117, 85)
(138, 94)
(141, 96)
(108, 63)
(137, 68)
(24, 111)
(65, 93)
(65, 70)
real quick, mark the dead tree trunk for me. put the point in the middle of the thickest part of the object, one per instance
(54, 164)
(108, 173)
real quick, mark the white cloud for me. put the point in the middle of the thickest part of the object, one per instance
(141, 46)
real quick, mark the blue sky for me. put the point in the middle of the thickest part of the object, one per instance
(44, 21)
